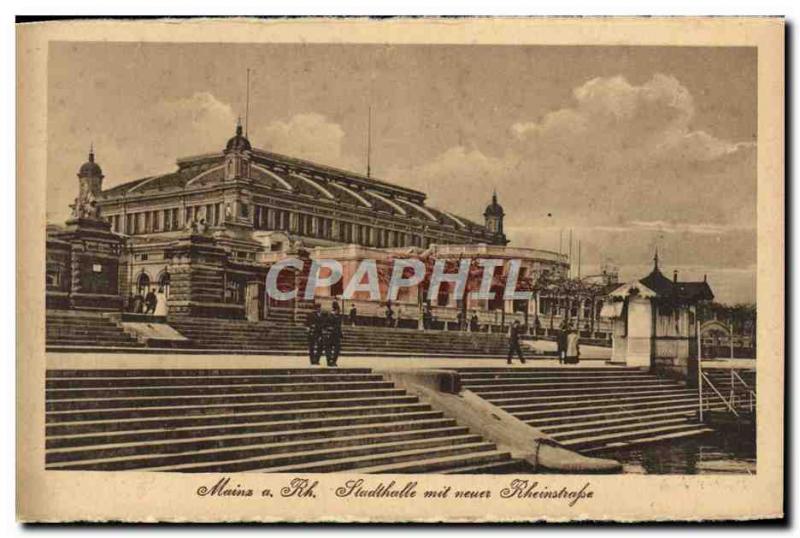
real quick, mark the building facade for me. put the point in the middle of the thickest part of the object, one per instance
(209, 231)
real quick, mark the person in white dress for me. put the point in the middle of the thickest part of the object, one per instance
(161, 304)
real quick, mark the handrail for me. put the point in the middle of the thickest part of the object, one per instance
(710, 384)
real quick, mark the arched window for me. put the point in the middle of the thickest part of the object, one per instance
(142, 283)
(163, 282)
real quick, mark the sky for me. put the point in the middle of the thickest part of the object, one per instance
(631, 148)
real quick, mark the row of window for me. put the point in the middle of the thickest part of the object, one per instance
(267, 218)
(558, 307)
(165, 220)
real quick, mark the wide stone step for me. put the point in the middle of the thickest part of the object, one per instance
(487, 462)
(597, 441)
(188, 372)
(127, 425)
(584, 403)
(353, 458)
(166, 400)
(605, 421)
(552, 381)
(485, 465)
(91, 383)
(649, 438)
(570, 398)
(557, 390)
(206, 442)
(643, 423)
(544, 421)
(157, 434)
(262, 380)
(288, 451)
(620, 383)
(227, 408)
(222, 390)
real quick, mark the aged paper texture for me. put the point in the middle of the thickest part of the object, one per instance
(404, 270)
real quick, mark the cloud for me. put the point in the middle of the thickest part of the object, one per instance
(623, 167)
(619, 153)
(465, 173)
(309, 136)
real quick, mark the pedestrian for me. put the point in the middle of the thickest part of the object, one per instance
(353, 315)
(460, 320)
(334, 338)
(313, 333)
(160, 308)
(572, 348)
(514, 334)
(335, 308)
(138, 303)
(561, 341)
(389, 314)
(427, 316)
(150, 302)
(474, 323)
(399, 316)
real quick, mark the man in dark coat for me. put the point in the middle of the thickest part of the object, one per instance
(313, 333)
(150, 301)
(389, 314)
(333, 327)
(353, 315)
(514, 334)
(474, 323)
(427, 316)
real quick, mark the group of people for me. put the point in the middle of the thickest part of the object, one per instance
(151, 303)
(324, 333)
(474, 324)
(567, 344)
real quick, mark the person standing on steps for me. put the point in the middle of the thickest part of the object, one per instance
(474, 323)
(150, 302)
(160, 308)
(572, 348)
(313, 333)
(353, 315)
(333, 343)
(389, 314)
(514, 334)
(561, 341)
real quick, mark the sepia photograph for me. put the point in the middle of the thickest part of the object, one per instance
(511, 261)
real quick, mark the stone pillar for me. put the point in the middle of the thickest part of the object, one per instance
(197, 279)
(93, 269)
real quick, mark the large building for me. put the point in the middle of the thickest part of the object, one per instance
(210, 230)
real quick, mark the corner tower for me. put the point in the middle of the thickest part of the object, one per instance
(493, 219)
(237, 155)
(90, 177)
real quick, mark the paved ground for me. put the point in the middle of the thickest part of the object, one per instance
(177, 360)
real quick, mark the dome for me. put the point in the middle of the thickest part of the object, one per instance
(238, 142)
(90, 168)
(494, 209)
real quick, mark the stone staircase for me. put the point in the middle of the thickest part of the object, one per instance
(276, 420)
(73, 328)
(592, 409)
(269, 337)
